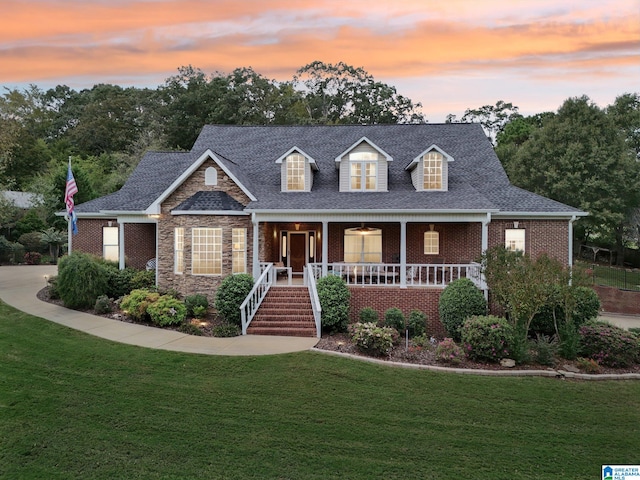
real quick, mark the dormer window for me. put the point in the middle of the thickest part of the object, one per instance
(364, 171)
(295, 172)
(432, 171)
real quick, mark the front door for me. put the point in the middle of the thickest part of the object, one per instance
(297, 251)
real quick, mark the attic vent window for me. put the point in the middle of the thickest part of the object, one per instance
(211, 176)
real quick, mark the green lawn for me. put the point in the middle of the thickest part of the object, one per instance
(74, 406)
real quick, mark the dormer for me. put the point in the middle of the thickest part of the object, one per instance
(430, 170)
(363, 167)
(296, 172)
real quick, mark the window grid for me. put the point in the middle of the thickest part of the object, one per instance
(295, 172)
(206, 248)
(514, 239)
(110, 244)
(239, 254)
(178, 253)
(364, 173)
(432, 164)
(431, 243)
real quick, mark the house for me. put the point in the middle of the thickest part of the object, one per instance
(397, 210)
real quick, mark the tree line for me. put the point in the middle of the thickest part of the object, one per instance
(582, 155)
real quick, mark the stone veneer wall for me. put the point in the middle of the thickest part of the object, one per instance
(186, 283)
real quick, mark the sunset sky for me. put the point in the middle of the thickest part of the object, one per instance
(447, 54)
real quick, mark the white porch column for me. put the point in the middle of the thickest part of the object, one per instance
(121, 244)
(570, 259)
(325, 247)
(69, 236)
(485, 233)
(403, 254)
(256, 246)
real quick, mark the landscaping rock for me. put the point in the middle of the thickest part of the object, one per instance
(507, 362)
(570, 368)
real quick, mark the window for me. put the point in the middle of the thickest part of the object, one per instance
(178, 250)
(363, 245)
(110, 247)
(210, 176)
(364, 171)
(514, 239)
(295, 172)
(432, 168)
(431, 243)
(206, 251)
(239, 241)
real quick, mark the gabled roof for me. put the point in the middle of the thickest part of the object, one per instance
(418, 159)
(364, 140)
(312, 162)
(476, 179)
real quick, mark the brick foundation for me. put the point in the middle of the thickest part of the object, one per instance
(614, 300)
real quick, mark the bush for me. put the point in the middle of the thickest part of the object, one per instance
(373, 340)
(32, 258)
(334, 299)
(143, 279)
(368, 315)
(449, 351)
(31, 241)
(230, 295)
(196, 305)
(136, 303)
(586, 307)
(460, 300)
(394, 318)
(54, 292)
(226, 330)
(417, 323)
(544, 349)
(167, 310)
(119, 281)
(487, 338)
(103, 305)
(608, 345)
(81, 280)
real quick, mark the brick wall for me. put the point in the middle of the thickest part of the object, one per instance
(381, 299)
(89, 237)
(541, 236)
(614, 300)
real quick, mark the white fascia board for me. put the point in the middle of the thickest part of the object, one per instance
(364, 139)
(209, 212)
(312, 161)
(435, 147)
(541, 215)
(374, 211)
(154, 208)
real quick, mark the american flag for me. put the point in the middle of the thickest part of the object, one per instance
(70, 190)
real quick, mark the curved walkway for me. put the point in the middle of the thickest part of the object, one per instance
(19, 285)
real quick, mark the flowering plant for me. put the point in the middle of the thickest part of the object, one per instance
(487, 338)
(370, 338)
(449, 351)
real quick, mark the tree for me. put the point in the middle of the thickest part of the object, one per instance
(579, 157)
(492, 118)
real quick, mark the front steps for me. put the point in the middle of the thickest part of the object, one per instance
(284, 311)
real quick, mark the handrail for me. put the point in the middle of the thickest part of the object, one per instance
(315, 300)
(250, 305)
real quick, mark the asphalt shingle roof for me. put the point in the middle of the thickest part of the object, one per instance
(210, 201)
(477, 180)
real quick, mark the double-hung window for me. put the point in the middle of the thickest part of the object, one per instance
(239, 242)
(295, 172)
(364, 171)
(206, 251)
(431, 243)
(178, 250)
(363, 245)
(514, 239)
(432, 170)
(110, 244)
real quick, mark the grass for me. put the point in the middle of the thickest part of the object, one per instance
(614, 277)
(74, 406)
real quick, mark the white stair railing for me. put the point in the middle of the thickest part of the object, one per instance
(250, 305)
(310, 281)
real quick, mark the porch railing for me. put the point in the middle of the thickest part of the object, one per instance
(415, 275)
(310, 282)
(250, 305)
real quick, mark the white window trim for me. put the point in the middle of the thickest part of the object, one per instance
(435, 241)
(216, 232)
(363, 171)
(116, 244)
(235, 250)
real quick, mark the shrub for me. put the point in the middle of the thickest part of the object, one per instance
(368, 315)
(167, 310)
(448, 351)
(334, 299)
(394, 318)
(136, 303)
(54, 291)
(373, 340)
(119, 281)
(81, 280)
(569, 341)
(143, 279)
(587, 305)
(190, 329)
(103, 305)
(423, 341)
(588, 365)
(226, 330)
(417, 323)
(544, 349)
(608, 345)
(487, 338)
(460, 300)
(31, 241)
(32, 258)
(196, 304)
(230, 295)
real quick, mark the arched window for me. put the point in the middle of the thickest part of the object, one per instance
(211, 176)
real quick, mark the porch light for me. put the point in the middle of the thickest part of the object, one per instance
(297, 225)
(364, 230)
(155, 215)
(515, 224)
(431, 226)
